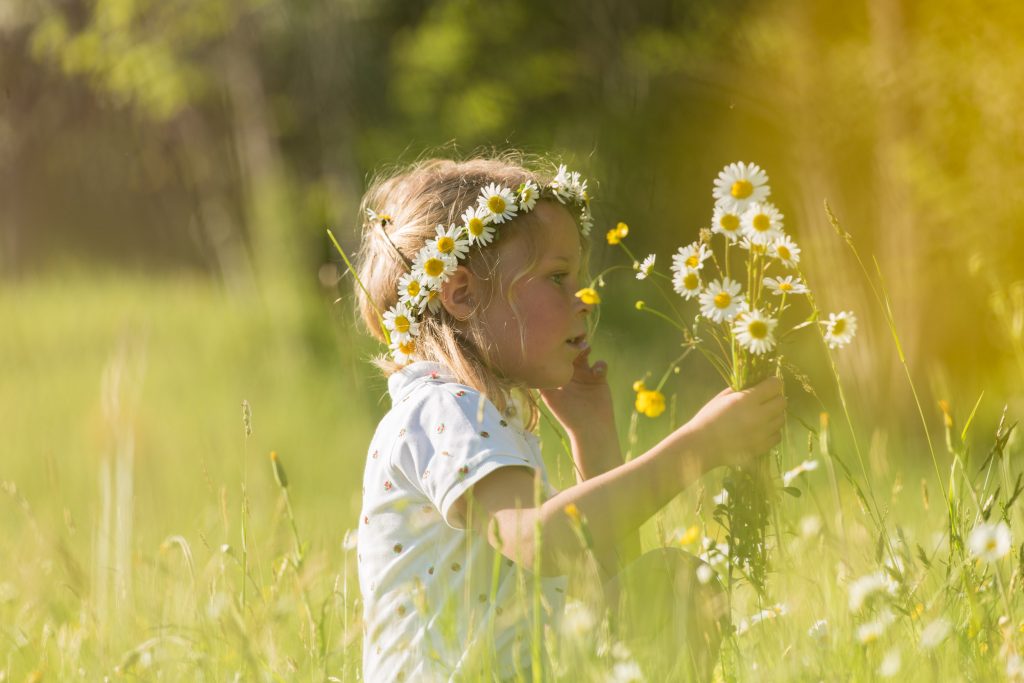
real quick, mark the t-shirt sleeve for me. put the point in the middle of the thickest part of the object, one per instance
(454, 440)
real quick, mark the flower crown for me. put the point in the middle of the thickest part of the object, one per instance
(419, 290)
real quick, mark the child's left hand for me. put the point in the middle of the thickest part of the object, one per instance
(586, 401)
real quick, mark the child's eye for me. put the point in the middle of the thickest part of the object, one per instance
(558, 277)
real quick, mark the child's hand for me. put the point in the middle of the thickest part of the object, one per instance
(738, 426)
(586, 400)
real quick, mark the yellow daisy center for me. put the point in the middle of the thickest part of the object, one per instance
(433, 267)
(785, 287)
(691, 281)
(991, 545)
(741, 189)
(729, 222)
(407, 347)
(432, 295)
(783, 251)
(496, 204)
(413, 288)
(445, 244)
(475, 226)
(723, 299)
(757, 329)
(693, 261)
(401, 324)
(762, 222)
(839, 326)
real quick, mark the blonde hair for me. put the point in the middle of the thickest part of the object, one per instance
(417, 199)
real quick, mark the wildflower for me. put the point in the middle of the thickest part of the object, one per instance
(449, 241)
(805, 466)
(646, 267)
(567, 186)
(617, 234)
(382, 218)
(411, 291)
(786, 250)
(577, 619)
(726, 223)
(840, 328)
(705, 573)
(690, 257)
(432, 267)
(753, 331)
(1015, 667)
(818, 630)
(639, 385)
(721, 301)
(687, 283)
(865, 587)
(785, 285)
(753, 247)
(586, 221)
(873, 630)
(572, 512)
(499, 202)
(934, 633)
(402, 351)
(772, 612)
(810, 526)
(650, 402)
(589, 296)
(528, 193)
(476, 220)
(891, 663)
(400, 323)
(990, 542)
(715, 553)
(625, 672)
(762, 223)
(722, 498)
(740, 184)
(690, 535)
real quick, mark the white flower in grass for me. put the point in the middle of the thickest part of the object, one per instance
(805, 466)
(891, 663)
(873, 630)
(528, 195)
(432, 267)
(773, 612)
(722, 498)
(785, 285)
(867, 586)
(840, 328)
(786, 250)
(810, 526)
(687, 283)
(476, 221)
(646, 267)
(451, 241)
(499, 202)
(762, 223)
(690, 257)
(402, 351)
(411, 292)
(818, 630)
(715, 552)
(990, 542)
(705, 573)
(935, 632)
(721, 301)
(1015, 667)
(726, 223)
(740, 184)
(753, 330)
(586, 222)
(401, 323)
(577, 620)
(625, 672)
(562, 185)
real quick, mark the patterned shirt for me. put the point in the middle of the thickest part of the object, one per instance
(430, 609)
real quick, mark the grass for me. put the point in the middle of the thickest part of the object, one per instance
(127, 459)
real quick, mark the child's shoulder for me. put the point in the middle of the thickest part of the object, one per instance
(426, 389)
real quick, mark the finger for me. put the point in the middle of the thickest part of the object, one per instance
(768, 389)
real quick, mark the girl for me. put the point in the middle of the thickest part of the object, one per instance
(470, 271)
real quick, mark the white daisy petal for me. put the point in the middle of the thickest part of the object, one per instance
(527, 195)
(785, 285)
(786, 251)
(753, 331)
(401, 323)
(451, 241)
(433, 267)
(990, 542)
(499, 202)
(762, 223)
(646, 267)
(476, 221)
(840, 328)
(690, 257)
(687, 283)
(402, 351)
(740, 184)
(721, 301)
(411, 291)
(726, 223)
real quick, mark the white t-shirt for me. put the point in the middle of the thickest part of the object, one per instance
(426, 580)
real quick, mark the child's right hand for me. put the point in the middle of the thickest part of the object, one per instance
(735, 427)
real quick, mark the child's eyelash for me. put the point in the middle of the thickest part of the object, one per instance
(560, 275)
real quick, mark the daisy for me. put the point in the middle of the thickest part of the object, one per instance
(646, 267)
(863, 588)
(402, 351)
(433, 301)
(726, 223)
(476, 221)
(562, 184)
(586, 221)
(690, 257)
(762, 223)
(499, 202)
(934, 633)
(754, 330)
(528, 195)
(739, 185)
(785, 285)
(401, 323)
(721, 301)
(840, 328)
(990, 542)
(687, 283)
(786, 250)
(873, 630)
(382, 218)
(805, 466)
(450, 241)
(891, 663)
(753, 247)
(432, 267)
(411, 291)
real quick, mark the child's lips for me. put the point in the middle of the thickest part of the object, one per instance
(579, 343)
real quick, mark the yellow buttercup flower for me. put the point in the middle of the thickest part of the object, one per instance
(617, 234)
(650, 402)
(638, 385)
(589, 296)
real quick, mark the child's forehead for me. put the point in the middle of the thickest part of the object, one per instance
(558, 236)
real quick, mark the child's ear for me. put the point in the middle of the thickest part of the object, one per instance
(458, 295)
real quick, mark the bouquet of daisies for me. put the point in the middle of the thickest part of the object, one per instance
(742, 275)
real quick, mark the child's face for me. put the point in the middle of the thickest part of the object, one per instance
(531, 339)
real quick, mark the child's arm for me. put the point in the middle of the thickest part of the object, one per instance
(734, 427)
